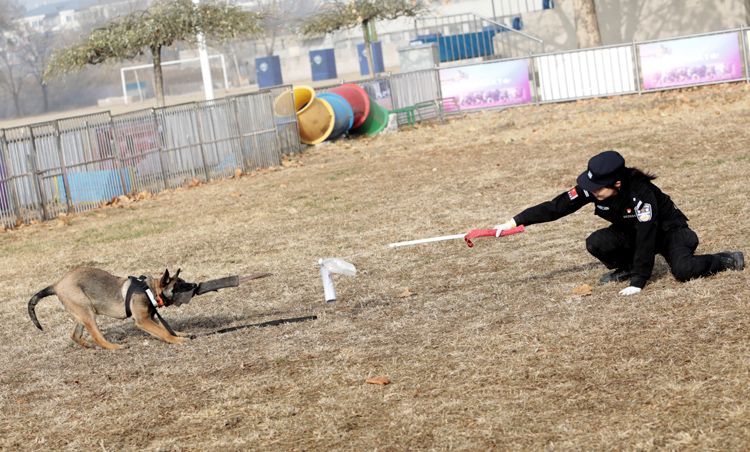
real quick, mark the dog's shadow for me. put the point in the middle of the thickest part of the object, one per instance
(199, 326)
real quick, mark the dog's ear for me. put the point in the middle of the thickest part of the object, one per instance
(177, 274)
(165, 278)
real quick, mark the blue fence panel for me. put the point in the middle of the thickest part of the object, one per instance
(91, 186)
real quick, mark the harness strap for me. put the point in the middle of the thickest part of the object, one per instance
(139, 285)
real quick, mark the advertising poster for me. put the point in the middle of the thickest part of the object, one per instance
(690, 61)
(487, 85)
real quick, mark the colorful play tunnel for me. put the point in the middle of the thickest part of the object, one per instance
(326, 116)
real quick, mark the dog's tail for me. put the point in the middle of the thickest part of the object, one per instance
(46, 292)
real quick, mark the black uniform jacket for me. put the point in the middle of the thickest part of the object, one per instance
(639, 209)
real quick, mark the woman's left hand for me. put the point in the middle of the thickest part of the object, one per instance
(630, 290)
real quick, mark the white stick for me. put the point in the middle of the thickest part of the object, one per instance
(432, 239)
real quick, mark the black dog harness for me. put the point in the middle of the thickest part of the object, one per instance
(139, 285)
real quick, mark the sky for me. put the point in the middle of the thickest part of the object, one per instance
(31, 4)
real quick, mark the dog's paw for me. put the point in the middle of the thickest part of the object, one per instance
(112, 346)
(179, 340)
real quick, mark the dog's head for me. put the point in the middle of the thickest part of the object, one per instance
(175, 290)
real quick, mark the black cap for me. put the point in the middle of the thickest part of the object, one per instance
(604, 170)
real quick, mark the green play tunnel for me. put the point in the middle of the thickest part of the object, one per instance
(376, 121)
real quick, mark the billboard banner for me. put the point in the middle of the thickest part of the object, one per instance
(487, 85)
(691, 61)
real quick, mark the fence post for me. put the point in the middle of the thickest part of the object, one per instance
(5, 154)
(744, 50)
(212, 107)
(534, 82)
(637, 68)
(89, 146)
(200, 141)
(63, 168)
(236, 116)
(160, 148)
(118, 158)
(276, 139)
(36, 177)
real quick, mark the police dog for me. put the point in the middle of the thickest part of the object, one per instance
(87, 292)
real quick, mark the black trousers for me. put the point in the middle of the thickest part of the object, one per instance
(615, 249)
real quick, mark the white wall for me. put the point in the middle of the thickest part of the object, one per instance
(640, 20)
(620, 22)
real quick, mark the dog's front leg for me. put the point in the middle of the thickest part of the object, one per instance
(178, 333)
(157, 330)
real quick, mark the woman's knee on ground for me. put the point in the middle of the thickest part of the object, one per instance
(682, 271)
(599, 245)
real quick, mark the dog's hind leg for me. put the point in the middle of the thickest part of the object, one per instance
(77, 336)
(84, 315)
(157, 330)
(98, 337)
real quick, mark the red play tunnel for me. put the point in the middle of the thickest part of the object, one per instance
(357, 98)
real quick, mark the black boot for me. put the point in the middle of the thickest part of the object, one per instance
(732, 260)
(617, 275)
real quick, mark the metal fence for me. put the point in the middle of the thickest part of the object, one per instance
(638, 67)
(470, 36)
(76, 164)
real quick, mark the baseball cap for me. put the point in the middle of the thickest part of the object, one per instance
(604, 169)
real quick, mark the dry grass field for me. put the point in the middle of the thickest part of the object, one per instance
(486, 348)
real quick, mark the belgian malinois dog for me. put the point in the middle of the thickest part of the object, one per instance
(87, 292)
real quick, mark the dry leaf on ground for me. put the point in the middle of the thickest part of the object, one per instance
(583, 290)
(381, 380)
(406, 293)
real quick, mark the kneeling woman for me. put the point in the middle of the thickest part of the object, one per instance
(645, 222)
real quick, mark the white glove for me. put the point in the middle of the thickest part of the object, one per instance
(510, 224)
(630, 291)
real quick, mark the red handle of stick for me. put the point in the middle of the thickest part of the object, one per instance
(490, 233)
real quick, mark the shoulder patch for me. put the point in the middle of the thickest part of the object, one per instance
(645, 213)
(572, 193)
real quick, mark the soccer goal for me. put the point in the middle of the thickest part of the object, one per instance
(182, 72)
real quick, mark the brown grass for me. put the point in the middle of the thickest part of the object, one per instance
(491, 350)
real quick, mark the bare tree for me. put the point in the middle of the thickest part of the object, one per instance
(587, 25)
(161, 25)
(284, 17)
(343, 14)
(11, 73)
(9, 11)
(35, 50)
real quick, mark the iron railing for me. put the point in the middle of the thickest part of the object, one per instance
(75, 164)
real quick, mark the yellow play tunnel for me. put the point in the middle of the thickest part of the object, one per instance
(314, 116)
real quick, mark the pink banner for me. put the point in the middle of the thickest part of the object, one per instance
(487, 85)
(691, 61)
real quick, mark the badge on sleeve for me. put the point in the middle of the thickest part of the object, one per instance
(572, 193)
(644, 214)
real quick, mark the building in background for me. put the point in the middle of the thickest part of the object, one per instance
(74, 14)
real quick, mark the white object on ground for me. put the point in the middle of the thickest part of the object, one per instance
(331, 266)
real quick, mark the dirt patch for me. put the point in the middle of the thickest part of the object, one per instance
(489, 347)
